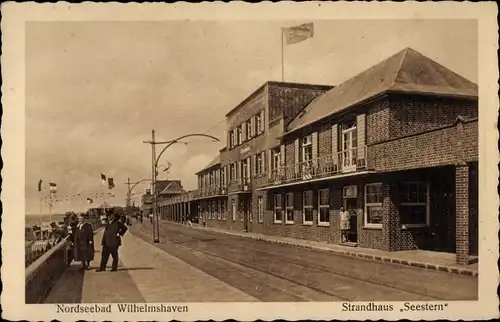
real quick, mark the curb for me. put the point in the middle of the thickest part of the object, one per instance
(430, 266)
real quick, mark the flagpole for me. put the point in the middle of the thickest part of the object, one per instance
(41, 217)
(282, 57)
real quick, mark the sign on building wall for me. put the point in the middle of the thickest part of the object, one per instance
(350, 192)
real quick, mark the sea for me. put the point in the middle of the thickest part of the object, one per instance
(32, 219)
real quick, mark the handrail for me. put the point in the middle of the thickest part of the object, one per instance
(33, 267)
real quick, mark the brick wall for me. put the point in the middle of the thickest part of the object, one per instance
(411, 115)
(462, 213)
(377, 122)
(288, 99)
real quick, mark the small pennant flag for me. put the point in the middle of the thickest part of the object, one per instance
(40, 185)
(103, 178)
(300, 33)
(89, 200)
(111, 185)
(53, 187)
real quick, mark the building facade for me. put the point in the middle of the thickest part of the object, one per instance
(396, 146)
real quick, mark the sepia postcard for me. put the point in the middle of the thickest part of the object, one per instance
(214, 161)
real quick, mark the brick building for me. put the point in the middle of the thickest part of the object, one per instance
(396, 146)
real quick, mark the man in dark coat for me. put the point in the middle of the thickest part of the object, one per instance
(111, 240)
(83, 242)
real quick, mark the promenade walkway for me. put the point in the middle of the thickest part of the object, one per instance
(145, 274)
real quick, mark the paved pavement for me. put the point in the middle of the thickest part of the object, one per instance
(145, 274)
(280, 272)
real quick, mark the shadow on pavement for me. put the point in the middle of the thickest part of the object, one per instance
(69, 288)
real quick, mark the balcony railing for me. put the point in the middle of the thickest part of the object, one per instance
(240, 185)
(346, 161)
(210, 191)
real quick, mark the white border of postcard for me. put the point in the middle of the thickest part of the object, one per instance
(16, 14)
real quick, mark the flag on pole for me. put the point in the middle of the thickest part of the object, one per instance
(300, 33)
(111, 185)
(53, 187)
(89, 200)
(40, 185)
(103, 178)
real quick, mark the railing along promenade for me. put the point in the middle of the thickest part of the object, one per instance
(45, 271)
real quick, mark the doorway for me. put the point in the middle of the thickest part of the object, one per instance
(350, 203)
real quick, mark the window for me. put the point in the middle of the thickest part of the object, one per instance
(231, 139)
(307, 208)
(373, 205)
(258, 164)
(260, 209)
(278, 210)
(289, 208)
(324, 207)
(241, 209)
(275, 159)
(218, 210)
(414, 203)
(249, 129)
(239, 135)
(258, 123)
(307, 152)
(234, 210)
(209, 211)
(223, 177)
(232, 172)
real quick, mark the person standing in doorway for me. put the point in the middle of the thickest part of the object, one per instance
(111, 241)
(345, 225)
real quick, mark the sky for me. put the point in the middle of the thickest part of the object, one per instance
(95, 90)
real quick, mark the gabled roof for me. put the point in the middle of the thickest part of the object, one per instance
(173, 187)
(213, 163)
(408, 71)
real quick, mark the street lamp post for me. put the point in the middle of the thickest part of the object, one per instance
(154, 172)
(130, 188)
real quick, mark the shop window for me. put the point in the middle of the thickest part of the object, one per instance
(324, 207)
(373, 205)
(289, 208)
(260, 208)
(250, 212)
(307, 208)
(414, 204)
(278, 209)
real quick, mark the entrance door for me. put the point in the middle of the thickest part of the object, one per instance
(349, 147)
(351, 205)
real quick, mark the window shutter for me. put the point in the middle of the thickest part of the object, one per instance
(282, 155)
(262, 121)
(314, 137)
(297, 155)
(361, 128)
(269, 157)
(335, 145)
(249, 165)
(243, 132)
